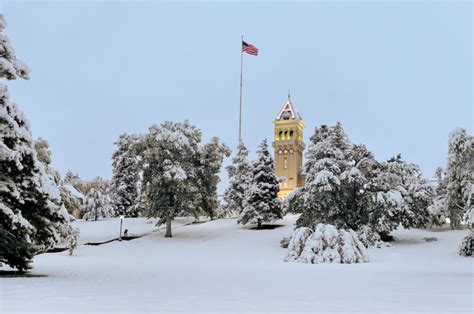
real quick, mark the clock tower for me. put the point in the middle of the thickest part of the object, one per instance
(288, 146)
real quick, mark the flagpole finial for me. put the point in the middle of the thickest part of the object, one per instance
(289, 95)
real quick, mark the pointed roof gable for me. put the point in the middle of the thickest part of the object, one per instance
(289, 112)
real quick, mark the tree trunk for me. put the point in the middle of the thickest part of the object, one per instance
(168, 228)
(259, 224)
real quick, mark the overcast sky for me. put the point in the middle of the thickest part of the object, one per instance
(397, 74)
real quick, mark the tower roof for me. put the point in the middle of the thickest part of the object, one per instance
(289, 112)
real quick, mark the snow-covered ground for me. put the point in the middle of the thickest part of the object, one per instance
(221, 267)
(106, 229)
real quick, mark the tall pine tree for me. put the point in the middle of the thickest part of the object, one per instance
(240, 178)
(262, 204)
(30, 219)
(208, 167)
(97, 202)
(459, 175)
(127, 172)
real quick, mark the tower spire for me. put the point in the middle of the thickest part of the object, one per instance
(289, 95)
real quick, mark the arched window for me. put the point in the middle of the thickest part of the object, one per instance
(291, 134)
(280, 135)
(285, 163)
(286, 135)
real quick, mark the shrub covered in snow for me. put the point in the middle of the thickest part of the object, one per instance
(467, 245)
(285, 242)
(369, 237)
(326, 244)
(297, 243)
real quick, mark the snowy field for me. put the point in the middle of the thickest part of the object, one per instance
(221, 267)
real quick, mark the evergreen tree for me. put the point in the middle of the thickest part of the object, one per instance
(240, 178)
(125, 183)
(346, 187)
(403, 197)
(68, 235)
(97, 203)
(327, 160)
(30, 220)
(438, 209)
(262, 204)
(209, 163)
(459, 175)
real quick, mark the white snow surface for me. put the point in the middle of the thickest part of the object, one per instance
(219, 267)
(107, 229)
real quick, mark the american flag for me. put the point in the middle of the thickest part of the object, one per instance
(250, 49)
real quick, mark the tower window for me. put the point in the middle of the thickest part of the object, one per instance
(291, 134)
(280, 135)
(285, 163)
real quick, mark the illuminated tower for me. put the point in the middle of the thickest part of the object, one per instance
(289, 147)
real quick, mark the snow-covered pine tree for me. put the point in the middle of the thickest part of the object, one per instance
(240, 178)
(97, 203)
(459, 175)
(127, 168)
(68, 235)
(208, 166)
(320, 199)
(438, 209)
(262, 204)
(30, 220)
(346, 187)
(410, 191)
(170, 174)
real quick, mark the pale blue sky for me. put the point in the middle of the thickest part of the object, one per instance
(397, 74)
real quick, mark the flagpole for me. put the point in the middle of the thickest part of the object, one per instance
(241, 76)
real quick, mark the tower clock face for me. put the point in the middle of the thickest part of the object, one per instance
(286, 151)
(279, 152)
(291, 151)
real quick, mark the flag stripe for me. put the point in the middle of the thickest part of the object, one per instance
(250, 49)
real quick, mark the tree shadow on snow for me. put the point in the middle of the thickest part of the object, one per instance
(266, 227)
(17, 274)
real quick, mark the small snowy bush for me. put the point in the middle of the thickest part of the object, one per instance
(326, 244)
(466, 248)
(467, 245)
(370, 238)
(285, 242)
(297, 242)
